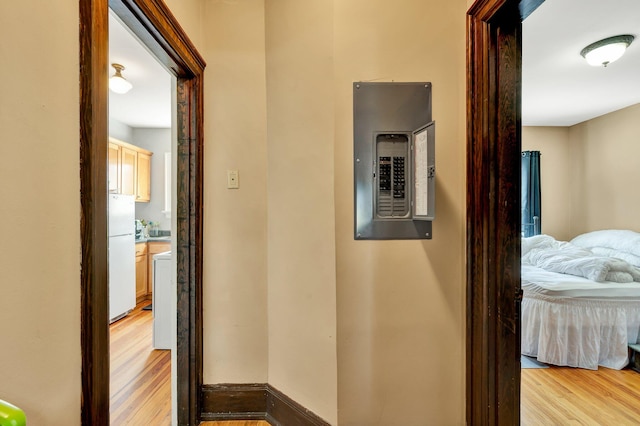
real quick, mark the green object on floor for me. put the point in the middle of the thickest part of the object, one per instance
(10, 415)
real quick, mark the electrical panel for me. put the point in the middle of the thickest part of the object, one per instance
(394, 161)
(392, 196)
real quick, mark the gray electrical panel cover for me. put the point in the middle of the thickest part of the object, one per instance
(394, 161)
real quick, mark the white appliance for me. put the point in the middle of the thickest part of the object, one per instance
(162, 300)
(122, 256)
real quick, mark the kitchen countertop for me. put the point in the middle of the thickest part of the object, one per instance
(152, 239)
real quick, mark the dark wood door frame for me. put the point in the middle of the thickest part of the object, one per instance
(158, 29)
(494, 59)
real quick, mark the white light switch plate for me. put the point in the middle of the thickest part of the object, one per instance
(232, 179)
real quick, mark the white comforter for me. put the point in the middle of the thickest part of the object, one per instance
(545, 252)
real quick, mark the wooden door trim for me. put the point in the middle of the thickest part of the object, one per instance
(158, 29)
(94, 329)
(493, 212)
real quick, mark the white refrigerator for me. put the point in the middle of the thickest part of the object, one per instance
(122, 255)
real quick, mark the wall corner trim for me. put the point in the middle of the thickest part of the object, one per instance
(254, 401)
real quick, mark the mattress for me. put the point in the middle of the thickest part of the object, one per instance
(537, 281)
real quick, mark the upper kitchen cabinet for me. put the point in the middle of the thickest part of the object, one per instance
(129, 170)
(114, 168)
(143, 182)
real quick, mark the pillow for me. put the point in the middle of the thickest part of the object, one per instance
(620, 240)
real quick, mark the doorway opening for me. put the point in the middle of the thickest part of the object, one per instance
(493, 238)
(158, 30)
(141, 142)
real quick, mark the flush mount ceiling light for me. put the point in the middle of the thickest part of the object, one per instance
(605, 51)
(117, 82)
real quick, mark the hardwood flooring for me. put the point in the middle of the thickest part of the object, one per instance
(141, 386)
(140, 376)
(237, 423)
(564, 396)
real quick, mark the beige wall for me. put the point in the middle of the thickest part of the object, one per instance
(588, 173)
(606, 171)
(235, 227)
(367, 332)
(189, 14)
(40, 211)
(40, 361)
(400, 303)
(301, 253)
(555, 176)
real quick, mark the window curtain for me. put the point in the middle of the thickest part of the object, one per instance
(531, 194)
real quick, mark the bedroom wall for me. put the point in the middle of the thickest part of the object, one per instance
(606, 171)
(556, 163)
(588, 173)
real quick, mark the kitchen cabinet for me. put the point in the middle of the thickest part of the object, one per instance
(143, 182)
(142, 272)
(129, 170)
(154, 247)
(114, 168)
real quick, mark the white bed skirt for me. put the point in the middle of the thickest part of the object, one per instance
(581, 333)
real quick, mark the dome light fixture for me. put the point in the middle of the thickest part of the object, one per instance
(117, 82)
(605, 51)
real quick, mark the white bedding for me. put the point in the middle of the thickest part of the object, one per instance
(537, 280)
(570, 320)
(566, 258)
(585, 326)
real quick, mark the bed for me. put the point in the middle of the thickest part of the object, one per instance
(577, 314)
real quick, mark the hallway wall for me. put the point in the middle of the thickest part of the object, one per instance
(361, 332)
(235, 223)
(40, 211)
(400, 303)
(301, 227)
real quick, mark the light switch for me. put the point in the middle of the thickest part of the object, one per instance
(232, 179)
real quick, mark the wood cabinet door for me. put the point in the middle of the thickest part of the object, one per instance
(143, 181)
(128, 171)
(114, 168)
(141, 278)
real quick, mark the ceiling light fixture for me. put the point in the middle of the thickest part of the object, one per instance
(117, 82)
(605, 51)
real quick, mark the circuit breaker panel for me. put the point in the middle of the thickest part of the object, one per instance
(392, 196)
(394, 161)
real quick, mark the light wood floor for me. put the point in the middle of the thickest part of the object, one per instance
(564, 396)
(140, 376)
(141, 390)
(237, 423)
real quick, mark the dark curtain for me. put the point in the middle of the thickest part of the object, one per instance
(531, 203)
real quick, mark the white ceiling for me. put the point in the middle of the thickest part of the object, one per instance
(558, 87)
(148, 103)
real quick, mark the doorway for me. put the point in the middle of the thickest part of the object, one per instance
(158, 30)
(493, 173)
(140, 146)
